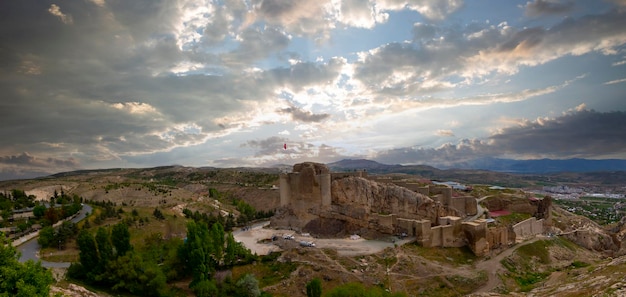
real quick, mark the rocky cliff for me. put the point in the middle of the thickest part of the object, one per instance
(588, 233)
(357, 197)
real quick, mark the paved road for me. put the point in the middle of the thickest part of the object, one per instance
(30, 249)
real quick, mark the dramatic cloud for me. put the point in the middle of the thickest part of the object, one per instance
(431, 9)
(572, 135)
(25, 165)
(438, 57)
(303, 116)
(55, 10)
(547, 7)
(30, 160)
(89, 84)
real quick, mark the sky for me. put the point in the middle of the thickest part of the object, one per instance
(89, 84)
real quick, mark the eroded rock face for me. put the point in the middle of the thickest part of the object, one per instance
(358, 198)
(594, 239)
(588, 234)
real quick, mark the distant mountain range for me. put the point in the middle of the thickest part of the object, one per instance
(547, 165)
(491, 164)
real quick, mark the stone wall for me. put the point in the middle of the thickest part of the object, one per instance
(466, 205)
(442, 194)
(528, 228)
(415, 187)
(476, 235)
(498, 237)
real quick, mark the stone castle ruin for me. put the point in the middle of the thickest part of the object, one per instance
(322, 203)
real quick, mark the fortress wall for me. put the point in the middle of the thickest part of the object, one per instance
(437, 189)
(325, 189)
(448, 220)
(528, 228)
(466, 205)
(447, 236)
(418, 228)
(415, 187)
(471, 206)
(386, 222)
(407, 226)
(458, 203)
(476, 234)
(423, 190)
(498, 237)
(285, 190)
(537, 227)
(435, 236)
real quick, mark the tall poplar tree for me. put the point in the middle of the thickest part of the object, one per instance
(120, 238)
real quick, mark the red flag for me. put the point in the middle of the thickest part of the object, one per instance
(285, 146)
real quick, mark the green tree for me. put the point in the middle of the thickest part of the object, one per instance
(217, 238)
(158, 214)
(39, 211)
(89, 258)
(120, 237)
(105, 249)
(314, 288)
(230, 252)
(131, 273)
(51, 215)
(248, 286)
(66, 231)
(17, 279)
(198, 252)
(206, 288)
(46, 237)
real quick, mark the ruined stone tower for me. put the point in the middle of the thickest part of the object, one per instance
(307, 186)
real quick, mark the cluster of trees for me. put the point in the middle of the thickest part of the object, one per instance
(109, 210)
(208, 249)
(49, 237)
(247, 212)
(45, 214)
(109, 260)
(64, 198)
(210, 219)
(21, 279)
(50, 215)
(15, 199)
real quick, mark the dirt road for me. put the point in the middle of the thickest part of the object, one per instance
(493, 266)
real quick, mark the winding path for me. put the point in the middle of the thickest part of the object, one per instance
(30, 249)
(493, 266)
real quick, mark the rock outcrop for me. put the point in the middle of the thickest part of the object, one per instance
(358, 198)
(587, 233)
